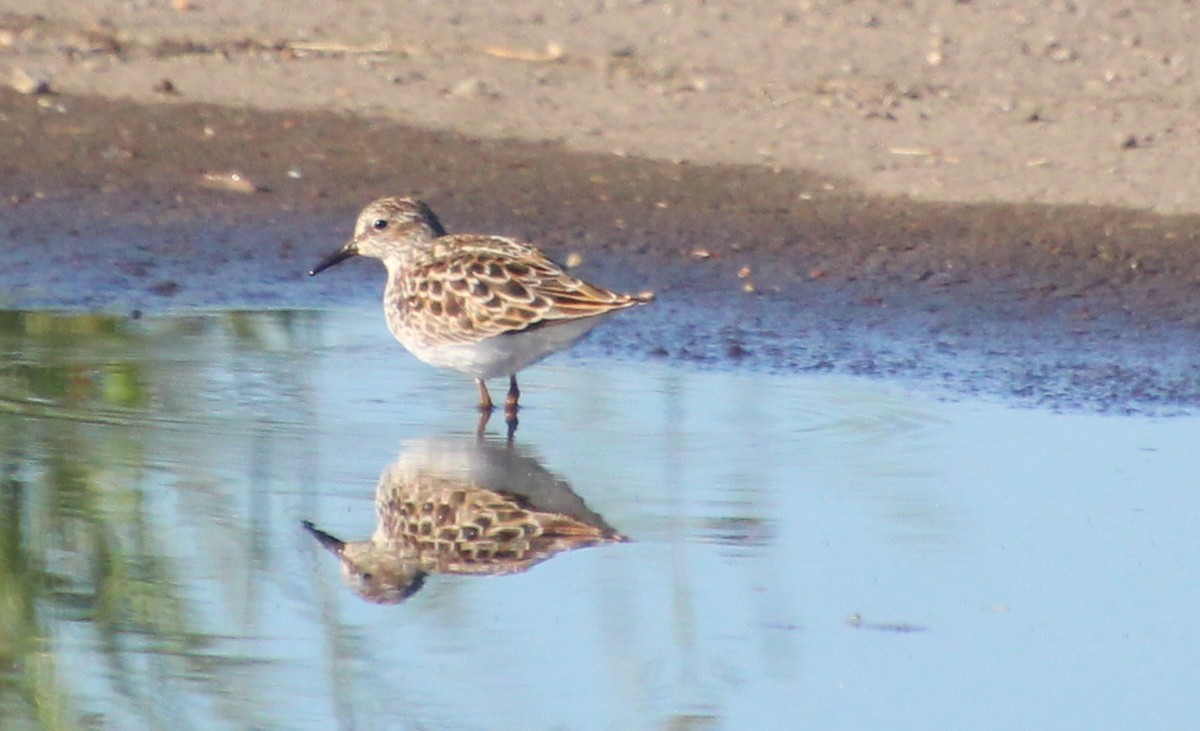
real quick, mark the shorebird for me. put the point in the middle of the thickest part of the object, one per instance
(483, 305)
(462, 507)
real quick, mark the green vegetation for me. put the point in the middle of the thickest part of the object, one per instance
(88, 586)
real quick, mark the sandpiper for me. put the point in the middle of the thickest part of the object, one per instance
(454, 506)
(484, 305)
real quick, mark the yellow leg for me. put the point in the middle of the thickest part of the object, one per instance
(514, 395)
(485, 398)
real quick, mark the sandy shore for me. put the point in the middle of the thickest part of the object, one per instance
(1052, 102)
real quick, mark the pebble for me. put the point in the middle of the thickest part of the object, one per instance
(23, 82)
(472, 88)
(232, 181)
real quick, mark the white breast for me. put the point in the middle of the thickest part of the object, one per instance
(502, 355)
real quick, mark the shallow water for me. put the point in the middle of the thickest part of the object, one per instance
(807, 551)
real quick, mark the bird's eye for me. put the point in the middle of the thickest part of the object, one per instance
(379, 224)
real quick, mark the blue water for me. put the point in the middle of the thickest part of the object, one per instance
(808, 551)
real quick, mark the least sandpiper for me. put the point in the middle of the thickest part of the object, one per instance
(484, 305)
(454, 506)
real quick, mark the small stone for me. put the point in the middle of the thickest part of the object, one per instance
(1060, 54)
(166, 288)
(735, 351)
(232, 181)
(472, 88)
(24, 82)
(113, 152)
(166, 86)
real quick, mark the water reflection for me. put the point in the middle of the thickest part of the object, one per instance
(104, 421)
(463, 506)
(153, 474)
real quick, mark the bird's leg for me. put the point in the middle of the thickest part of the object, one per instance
(485, 398)
(481, 425)
(510, 407)
(510, 419)
(514, 394)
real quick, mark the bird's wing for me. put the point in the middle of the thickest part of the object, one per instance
(477, 287)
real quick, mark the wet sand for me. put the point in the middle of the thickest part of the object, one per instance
(123, 200)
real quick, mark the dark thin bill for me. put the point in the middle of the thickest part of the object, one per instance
(330, 543)
(336, 257)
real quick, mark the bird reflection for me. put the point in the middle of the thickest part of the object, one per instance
(471, 507)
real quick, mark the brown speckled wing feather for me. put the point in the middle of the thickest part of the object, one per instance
(452, 526)
(468, 288)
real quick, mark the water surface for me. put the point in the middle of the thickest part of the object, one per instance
(806, 551)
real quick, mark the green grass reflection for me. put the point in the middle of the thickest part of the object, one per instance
(80, 555)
